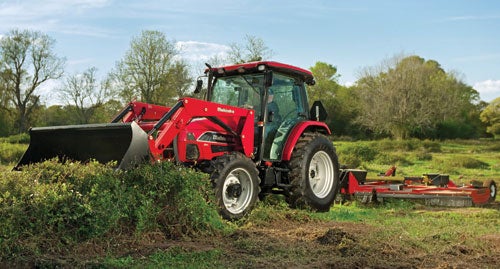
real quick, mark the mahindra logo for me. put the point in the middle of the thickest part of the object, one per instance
(225, 110)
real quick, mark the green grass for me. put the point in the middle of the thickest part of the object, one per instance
(175, 257)
(463, 160)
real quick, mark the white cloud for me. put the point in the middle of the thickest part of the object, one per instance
(488, 89)
(195, 51)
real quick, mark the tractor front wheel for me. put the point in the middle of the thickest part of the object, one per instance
(314, 173)
(236, 182)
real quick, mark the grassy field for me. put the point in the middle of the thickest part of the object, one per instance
(463, 160)
(395, 234)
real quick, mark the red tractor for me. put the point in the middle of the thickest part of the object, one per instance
(254, 134)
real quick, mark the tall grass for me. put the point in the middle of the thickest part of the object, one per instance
(464, 159)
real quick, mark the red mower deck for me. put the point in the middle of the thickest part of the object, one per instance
(432, 189)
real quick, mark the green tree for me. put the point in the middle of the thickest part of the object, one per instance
(339, 101)
(409, 94)
(28, 62)
(6, 122)
(253, 49)
(58, 115)
(84, 94)
(151, 70)
(491, 117)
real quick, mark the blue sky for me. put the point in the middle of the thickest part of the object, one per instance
(462, 35)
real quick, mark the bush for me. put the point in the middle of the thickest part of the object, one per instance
(10, 153)
(349, 160)
(51, 206)
(467, 162)
(17, 139)
(431, 146)
(392, 159)
(461, 162)
(423, 155)
(407, 145)
(362, 151)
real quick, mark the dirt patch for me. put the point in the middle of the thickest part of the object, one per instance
(292, 244)
(335, 237)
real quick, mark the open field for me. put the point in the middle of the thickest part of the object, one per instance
(396, 234)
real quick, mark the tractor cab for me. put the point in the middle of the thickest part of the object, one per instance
(275, 91)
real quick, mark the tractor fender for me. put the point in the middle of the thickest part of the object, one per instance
(298, 130)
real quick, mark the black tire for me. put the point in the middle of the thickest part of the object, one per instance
(314, 173)
(236, 183)
(492, 186)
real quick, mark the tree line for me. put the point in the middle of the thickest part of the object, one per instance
(405, 96)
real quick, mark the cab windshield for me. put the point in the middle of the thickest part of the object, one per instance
(241, 91)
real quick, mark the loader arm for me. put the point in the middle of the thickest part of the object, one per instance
(235, 120)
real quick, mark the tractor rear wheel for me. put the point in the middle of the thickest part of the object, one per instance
(314, 173)
(236, 182)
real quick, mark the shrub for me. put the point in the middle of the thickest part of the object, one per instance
(362, 151)
(431, 146)
(349, 160)
(407, 145)
(461, 162)
(10, 153)
(392, 159)
(467, 162)
(23, 138)
(423, 155)
(51, 205)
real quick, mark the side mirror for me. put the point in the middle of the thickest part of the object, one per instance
(199, 85)
(268, 78)
(318, 111)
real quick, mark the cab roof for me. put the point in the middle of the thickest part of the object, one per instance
(253, 67)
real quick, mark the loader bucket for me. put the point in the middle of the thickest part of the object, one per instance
(125, 143)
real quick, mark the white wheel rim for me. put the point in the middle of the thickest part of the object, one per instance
(321, 174)
(236, 204)
(493, 190)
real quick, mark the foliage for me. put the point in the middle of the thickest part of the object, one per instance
(354, 154)
(150, 70)
(462, 162)
(23, 138)
(339, 102)
(50, 206)
(253, 50)
(406, 145)
(393, 158)
(28, 62)
(82, 93)
(412, 95)
(6, 121)
(10, 153)
(491, 116)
